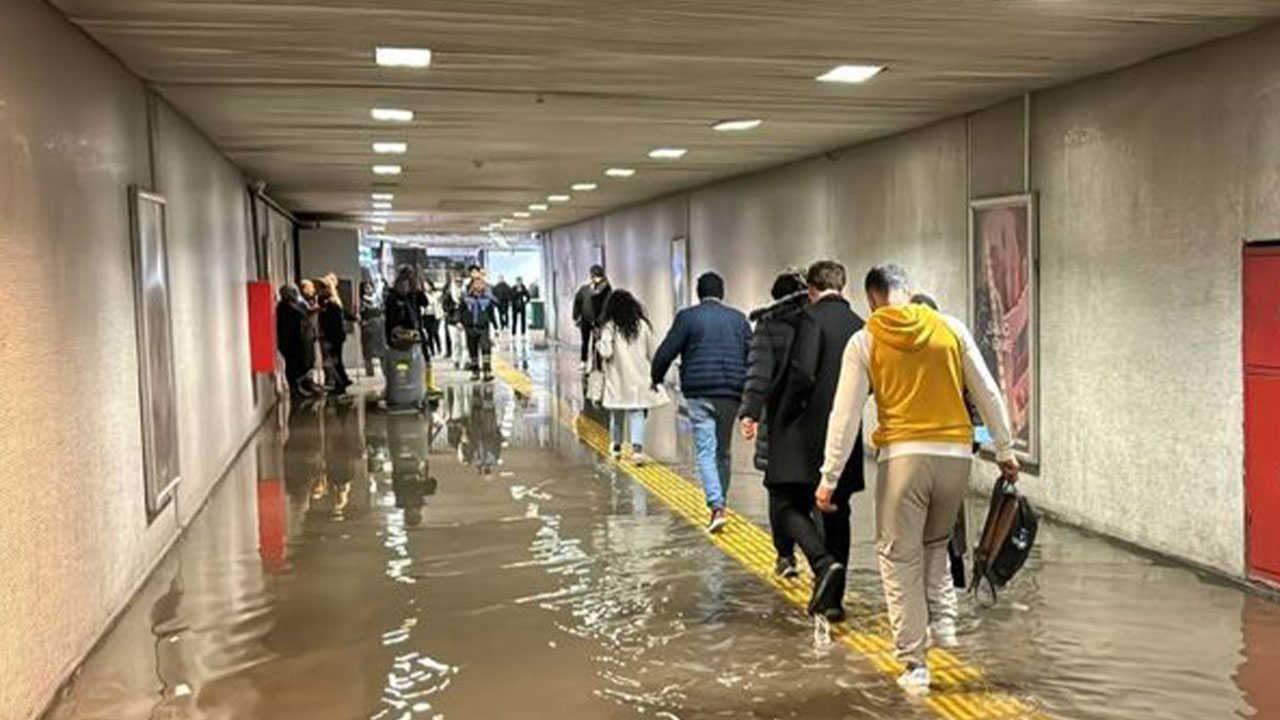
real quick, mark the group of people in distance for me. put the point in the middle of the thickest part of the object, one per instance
(311, 330)
(795, 384)
(311, 323)
(470, 311)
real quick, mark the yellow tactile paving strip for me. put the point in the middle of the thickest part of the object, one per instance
(960, 693)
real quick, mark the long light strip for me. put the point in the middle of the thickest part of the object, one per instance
(583, 187)
(387, 169)
(667, 153)
(558, 198)
(616, 172)
(390, 148)
(738, 125)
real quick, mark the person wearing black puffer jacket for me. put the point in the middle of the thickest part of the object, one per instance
(712, 340)
(775, 328)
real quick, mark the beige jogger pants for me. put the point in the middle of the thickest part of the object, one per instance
(917, 500)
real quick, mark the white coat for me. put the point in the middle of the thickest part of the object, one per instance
(626, 369)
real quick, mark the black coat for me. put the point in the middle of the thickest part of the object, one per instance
(295, 338)
(519, 296)
(798, 432)
(403, 312)
(588, 304)
(766, 363)
(333, 324)
(502, 294)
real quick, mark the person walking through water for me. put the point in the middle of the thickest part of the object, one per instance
(432, 312)
(478, 316)
(372, 325)
(451, 302)
(588, 303)
(712, 340)
(797, 432)
(775, 328)
(918, 363)
(626, 346)
(520, 298)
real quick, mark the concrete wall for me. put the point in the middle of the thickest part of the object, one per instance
(1149, 180)
(74, 135)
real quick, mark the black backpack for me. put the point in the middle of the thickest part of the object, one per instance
(1007, 538)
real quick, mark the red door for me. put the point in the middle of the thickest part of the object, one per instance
(1262, 409)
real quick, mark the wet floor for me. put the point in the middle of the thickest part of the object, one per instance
(479, 561)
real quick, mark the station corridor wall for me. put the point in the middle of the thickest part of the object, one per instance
(76, 130)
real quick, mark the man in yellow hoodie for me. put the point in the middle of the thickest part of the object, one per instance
(918, 363)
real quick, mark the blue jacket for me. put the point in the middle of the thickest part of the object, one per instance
(712, 341)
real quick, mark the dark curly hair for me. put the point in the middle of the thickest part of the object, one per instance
(624, 311)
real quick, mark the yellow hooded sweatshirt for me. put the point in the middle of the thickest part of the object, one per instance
(917, 373)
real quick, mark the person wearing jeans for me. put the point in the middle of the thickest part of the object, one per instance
(712, 341)
(626, 348)
(918, 363)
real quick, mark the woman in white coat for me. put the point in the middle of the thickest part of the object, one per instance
(625, 344)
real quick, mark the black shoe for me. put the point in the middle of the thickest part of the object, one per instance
(488, 377)
(786, 567)
(475, 374)
(834, 614)
(826, 591)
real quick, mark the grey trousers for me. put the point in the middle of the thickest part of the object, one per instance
(917, 500)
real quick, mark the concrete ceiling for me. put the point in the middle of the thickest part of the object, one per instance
(525, 97)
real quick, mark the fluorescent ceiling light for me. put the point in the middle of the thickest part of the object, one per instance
(736, 125)
(620, 172)
(667, 153)
(584, 187)
(386, 169)
(521, 214)
(391, 115)
(383, 196)
(390, 148)
(403, 57)
(558, 198)
(851, 73)
(538, 207)
(382, 206)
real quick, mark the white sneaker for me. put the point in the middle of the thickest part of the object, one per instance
(915, 680)
(638, 458)
(943, 634)
(718, 520)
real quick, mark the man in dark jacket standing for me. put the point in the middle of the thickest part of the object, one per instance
(588, 306)
(712, 341)
(519, 301)
(775, 328)
(502, 294)
(798, 434)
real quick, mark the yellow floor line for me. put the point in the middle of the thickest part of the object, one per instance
(960, 691)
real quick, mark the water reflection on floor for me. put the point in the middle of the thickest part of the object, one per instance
(478, 562)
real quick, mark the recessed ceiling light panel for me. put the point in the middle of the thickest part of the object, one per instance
(391, 115)
(383, 196)
(851, 73)
(403, 57)
(558, 198)
(738, 125)
(386, 169)
(584, 187)
(390, 148)
(538, 207)
(382, 206)
(667, 153)
(619, 172)
(520, 214)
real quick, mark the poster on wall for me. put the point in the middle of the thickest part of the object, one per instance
(680, 272)
(1004, 307)
(156, 377)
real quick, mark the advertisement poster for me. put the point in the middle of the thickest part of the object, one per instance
(680, 272)
(157, 381)
(1004, 308)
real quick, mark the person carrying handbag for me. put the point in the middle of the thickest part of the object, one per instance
(625, 347)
